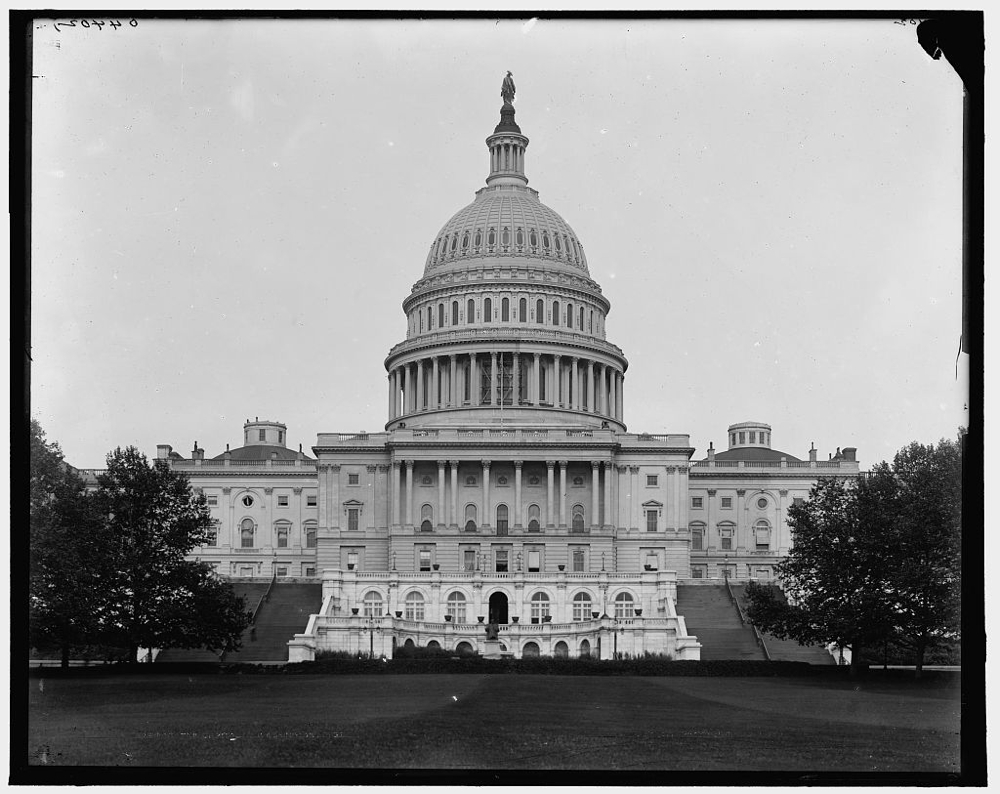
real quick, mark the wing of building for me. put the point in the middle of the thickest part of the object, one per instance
(505, 488)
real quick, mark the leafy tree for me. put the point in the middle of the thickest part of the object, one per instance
(153, 597)
(65, 566)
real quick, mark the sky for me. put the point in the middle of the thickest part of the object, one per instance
(227, 216)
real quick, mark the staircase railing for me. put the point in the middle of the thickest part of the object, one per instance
(253, 615)
(746, 620)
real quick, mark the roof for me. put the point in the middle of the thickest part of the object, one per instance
(261, 452)
(755, 454)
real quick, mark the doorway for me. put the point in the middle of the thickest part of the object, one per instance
(498, 608)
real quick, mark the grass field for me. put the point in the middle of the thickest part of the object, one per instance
(494, 722)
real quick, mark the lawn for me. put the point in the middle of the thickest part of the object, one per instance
(512, 722)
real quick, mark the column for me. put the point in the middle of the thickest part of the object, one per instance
(710, 516)
(683, 502)
(574, 385)
(741, 507)
(516, 367)
(493, 378)
(535, 383)
(421, 405)
(409, 493)
(372, 470)
(517, 493)
(334, 514)
(595, 489)
(453, 382)
(474, 380)
(394, 492)
(608, 519)
(557, 382)
(486, 495)
(440, 516)
(551, 465)
(602, 393)
(392, 414)
(778, 537)
(621, 396)
(591, 403)
(435, 385)
(563, 464)
(675, 476)
(454, 493)
(633, 497)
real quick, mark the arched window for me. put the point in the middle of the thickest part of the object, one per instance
(456, 607)
(558, 246)
(580, 323)
(487, 310)
(569, 315)
(470, 312)
(533, 238)
(561, 651)
(502, 514)
(582, 606)
(530, 650)
(505, 310)
(247, 533)
(491, 238)
(372, 604)
(414, 606)
(540, 607)
(310, 532)
(454, 244)
(479, 238)
(465, 241)
(578, 515)
(522, 310)
(470, 518)
(426, 518)
(555, 312)
(440, 315)
(505, 236)
(534, 513)
(762, 535)
(520, 237)
(454, 312)
(539, 311)
(591, 321)
(545, 241)
(624, 606)
(281, 531)
(464, 649)
(585, 648)
(430, 318)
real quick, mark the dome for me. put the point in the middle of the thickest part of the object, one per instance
(261, 452)
(506, 221)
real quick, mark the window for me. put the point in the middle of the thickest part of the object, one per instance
(569, 315)
(581, 318)
(440, 315)
(281, 571)
(282, 532)
(505, 310)
(470, 312)
(430, 316)
(454, 312)
(743, 437)
(762, 535)
(652, 563)
(487, 310)
(310, 501)
(372, 604)
(282, 501)
(263, 437)
(697, 537)
(522, 310)
(424, 558)
(470, 518)
(624, 606)
(309, 570)
(555, 312)
(212, 501)
(414, 606)
(246, 533)
(539, 312)
(579, 560)
(582, 606)
(212, 535)
(353, 479)
(469, 559)
(540, 607)
(456, 607)
(753, 436)
(578, 518)
(502, 561)
(352, 560)
(651, 520)
(762, 504)
(352, 518)
(697, 502)
(727, 503)
(281, 436)
(470, 480)
(697, 572)
(310, 536)
(726, 538)
(479, 237)
(798, 501)
(247, 501)
(502, 518)
(426, 518)
(534, 561)
(533, 515)
(652, 480)
(578, 482)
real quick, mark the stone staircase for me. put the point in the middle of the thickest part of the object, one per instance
(712, 617)
(787, 650)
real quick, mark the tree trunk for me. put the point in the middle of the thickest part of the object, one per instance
(65, 655)
(133, 653)
(921, 647)
(856, 668)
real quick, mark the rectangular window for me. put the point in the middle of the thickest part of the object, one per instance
(310, 501)
(310, 571)
(352, 560)
(212, 537)
(753, 436)
(579, 560)
(697, 573)
(213, 501)
(281, 571)
(727, 503)
(353, 479)
(697, 539)
(502, 560)
(798, 501)
(352, 518)
(726, 539)
(425, 559)
(697, 502)
(534, 561)
(262, 436)
(651, 520)
(743, 438)
(282, 501)
(283, 537)
(652, 480)
(652, 563)
(763, 540)
(310, 537)
(470, 560)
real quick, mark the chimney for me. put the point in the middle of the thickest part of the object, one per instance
(812, 451)
(711, 451)
(228, 455)
(163, 450)
(196, 453)
(851, 454)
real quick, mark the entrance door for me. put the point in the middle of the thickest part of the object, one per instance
(498, 608)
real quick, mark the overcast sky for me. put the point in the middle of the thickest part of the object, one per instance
(227, 216)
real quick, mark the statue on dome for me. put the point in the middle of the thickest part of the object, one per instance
(507, 89)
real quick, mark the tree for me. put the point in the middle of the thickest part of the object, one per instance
(153, 596)
(65, 567)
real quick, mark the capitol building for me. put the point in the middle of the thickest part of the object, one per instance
(506, 487)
